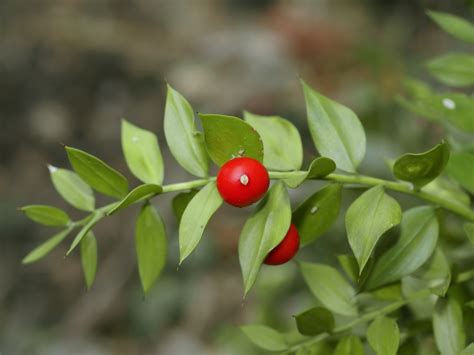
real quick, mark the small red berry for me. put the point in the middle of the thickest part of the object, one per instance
(242, 181)
(287, 248)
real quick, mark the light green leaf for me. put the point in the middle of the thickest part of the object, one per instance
(371, 215)
(336, 130)
(315, 321)
(195, 218)
(263, 231)
(454, 25)
(349, 265)
(46, 247)
(454, 69)
(436, 274)
(469, 350)
(460, 169)
(449, 190)
(184, 140)
(93, 220)
(89, 258)
(469, 229)
(317, 213)
(46, 215)
(414, 247)
(319, 167)
(151, 246)
(422, 168)
(228, 137)
(265, 337)
(139, 193)
(330, 288)
(97, 174)
(181, 201)
(274, 130)
(142, 153)
(448, 326)
(349, 345)
(72, 188)
(384, 336)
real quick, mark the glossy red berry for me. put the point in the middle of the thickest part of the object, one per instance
(286, 250)
(242, 181)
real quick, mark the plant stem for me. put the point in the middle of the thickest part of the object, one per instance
(187, 185)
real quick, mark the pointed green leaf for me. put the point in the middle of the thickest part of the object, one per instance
(317, 213)
(336, 130)
(228, 137)
(448, 190)
(139, 193)
(422, 168)
(97, 174)
(371, 215)
(319, 167)
(315, 321)
(142, 153)
(330, 288)
(93, 220)
(469, 229)
(181, 201)
(46, 247)
(274, 130)
(460, 169)
(89, 258)
(184, 140)
(436, 274)
(349, 265)
(265, 337)
(448, 326)
(349, 345)
(72, 188)
(151, 246)
(454, 25)
(414, 247)
(384, 336)
(195, 218)
(263, 231)
(453, 69)
(46, 215)
(469, 350)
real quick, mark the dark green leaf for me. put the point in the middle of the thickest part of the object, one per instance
(349, 345)
(336, 130)
(72, 188)
(93, 220)
(274, 130)
(151, 246)
(469, 229)
(142, 153)
(330, 288)
(454, 69)
(315, 321)
(89, 258)
(384, 336)
(424, 167)
(228, 137)
(44, 248)
(448, 326)
(317, 213)
(319, 167)
(47, 215)
(97, 174)
(456, 26)
(181, 201)
(460, 168)
(265, 337)
(371, 215)
(139, 193)
(263, 231)
(184, 140)
(350, 266)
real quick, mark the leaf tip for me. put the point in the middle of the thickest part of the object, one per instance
(52, 169)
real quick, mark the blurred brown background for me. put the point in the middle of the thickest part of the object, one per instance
(70, 70)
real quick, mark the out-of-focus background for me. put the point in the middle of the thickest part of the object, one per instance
(70, 70)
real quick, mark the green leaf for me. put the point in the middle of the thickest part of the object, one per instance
(469, 350)
(142, 153)
(94, 218)
(139, 193)
(436, 274)
(460, 169)
(184, 140)
(317, 213)
(384, 336)
(454, 69)
(448, 326)
(335, 129)
(195, 218)
(349, 345)
(181, 201)
(469, 229)
(319, 167)
(274, 130)
(371, 215)
(263, 231)
(330, 288)
(448, 190)
(350, 266)
(414, 247)
(265, 337)
(315, 321)
(97, 174)
(228, 137)
(46, 247)
(454, 25)
(424, 167)
(72, 188)
(89, 258)
(151, 246)
(46, 215)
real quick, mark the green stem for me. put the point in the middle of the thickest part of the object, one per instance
(187, 185)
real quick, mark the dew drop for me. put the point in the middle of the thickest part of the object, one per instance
(314, 209)
(449, 104)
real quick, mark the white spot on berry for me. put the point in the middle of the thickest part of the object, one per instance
(244, 180)
(134, 139)
(314, 209)
(52, 169)
(449, 104)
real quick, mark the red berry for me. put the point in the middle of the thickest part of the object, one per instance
(287, 248)
(242, 181)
